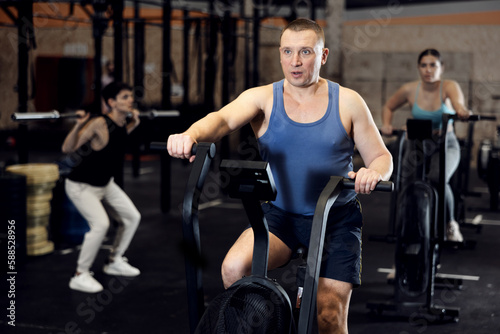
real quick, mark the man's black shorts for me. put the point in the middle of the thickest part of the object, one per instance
(342, 248)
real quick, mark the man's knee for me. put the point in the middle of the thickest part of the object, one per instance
(333, 305)
(136, 217)
(132, 218)
(99, 228)
(332, 316)
(232, 270)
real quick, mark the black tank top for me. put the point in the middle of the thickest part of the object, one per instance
(98, 167)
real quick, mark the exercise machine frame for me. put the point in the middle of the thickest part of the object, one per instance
(255, 184)
(434, 237)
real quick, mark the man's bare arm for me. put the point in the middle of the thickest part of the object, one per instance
(377, 159)
(73, 138)
(216, 125)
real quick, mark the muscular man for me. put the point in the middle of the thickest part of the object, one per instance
(306, 127)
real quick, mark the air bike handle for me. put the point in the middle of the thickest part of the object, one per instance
(381, 186)
(326, 200)
(204, 152)
(162, 146)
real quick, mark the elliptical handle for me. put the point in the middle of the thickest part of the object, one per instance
(387, 186)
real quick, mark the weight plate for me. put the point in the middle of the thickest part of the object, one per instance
(42, 249)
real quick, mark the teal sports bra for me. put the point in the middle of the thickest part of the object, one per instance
(436, 116)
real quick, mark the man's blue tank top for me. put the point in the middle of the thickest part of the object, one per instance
(303, 156)
(436, 116)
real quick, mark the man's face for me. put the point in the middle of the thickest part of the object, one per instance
(301, 57)
(124, 101)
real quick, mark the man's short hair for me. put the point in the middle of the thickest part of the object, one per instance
(113, 89)
(302, 24)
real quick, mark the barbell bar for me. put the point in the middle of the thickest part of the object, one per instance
(54, 114)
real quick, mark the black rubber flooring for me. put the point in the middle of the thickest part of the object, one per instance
(155, 301)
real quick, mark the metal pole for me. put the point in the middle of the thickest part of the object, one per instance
(139, 34)
(99, 25)
(247, 46)
(166, 102)
(313, 10)
(25, 29)
(139, 27)
(185, 71)
(226, 53)
(118, 38)
(227, 49)
(256, 41)
(210, 65)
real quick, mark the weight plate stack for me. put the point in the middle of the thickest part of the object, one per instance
(40, 180)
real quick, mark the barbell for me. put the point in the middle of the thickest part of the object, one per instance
(54, 114)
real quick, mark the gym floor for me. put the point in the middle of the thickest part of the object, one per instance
(155, 301)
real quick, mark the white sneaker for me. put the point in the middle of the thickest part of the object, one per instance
(120, 267)
(453, 232)
(85, 282)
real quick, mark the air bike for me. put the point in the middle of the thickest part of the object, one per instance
(254, 304)
(420, 231)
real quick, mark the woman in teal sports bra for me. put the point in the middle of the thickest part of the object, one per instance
(429, 98)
